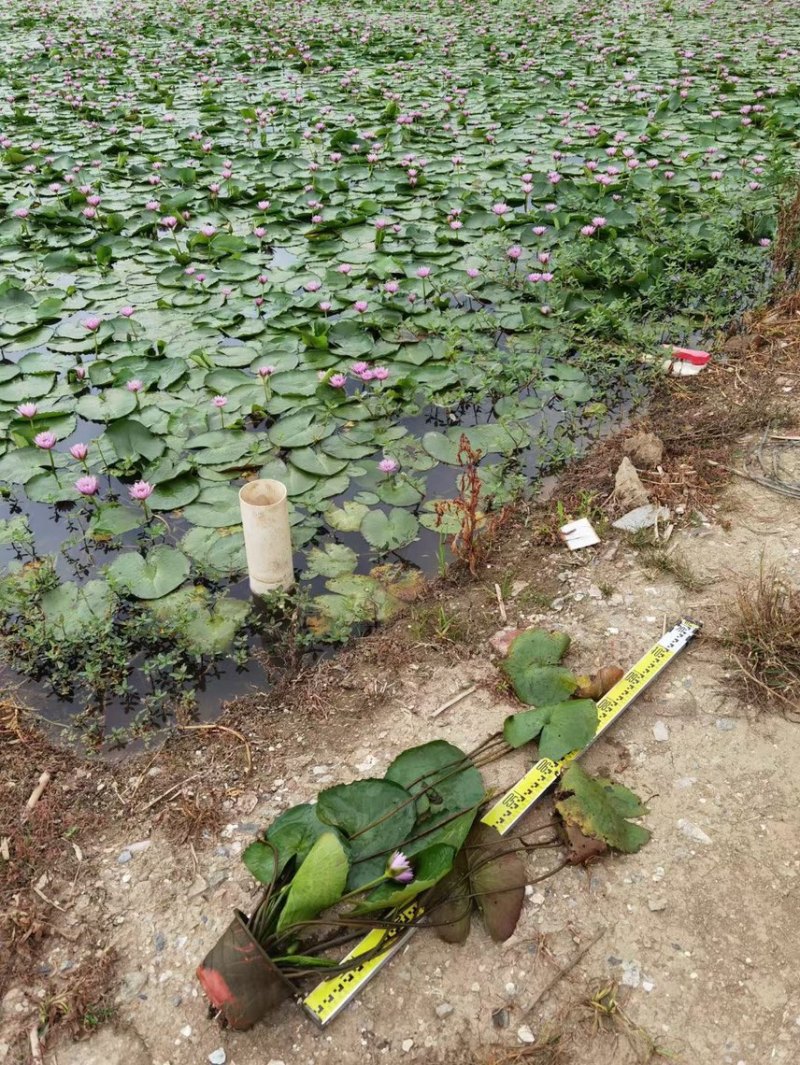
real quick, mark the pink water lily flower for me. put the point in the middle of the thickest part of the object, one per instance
(140, 491)
(46, 441)
(27, 410)
(88, 485)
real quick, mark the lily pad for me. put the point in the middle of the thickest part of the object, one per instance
(150, 576)
(601, 810)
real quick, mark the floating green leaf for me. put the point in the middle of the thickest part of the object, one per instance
(150, 576)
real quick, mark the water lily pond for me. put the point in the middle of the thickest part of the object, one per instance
(317, 245)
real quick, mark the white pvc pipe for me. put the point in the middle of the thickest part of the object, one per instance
(267, 539)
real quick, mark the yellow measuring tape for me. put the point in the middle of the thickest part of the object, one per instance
(331, 996)
(519, 799)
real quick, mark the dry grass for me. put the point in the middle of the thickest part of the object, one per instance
(82, 999)
(763, 638)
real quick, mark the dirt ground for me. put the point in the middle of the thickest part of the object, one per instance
(699, 933)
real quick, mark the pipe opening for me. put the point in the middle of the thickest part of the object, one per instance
(263, 493)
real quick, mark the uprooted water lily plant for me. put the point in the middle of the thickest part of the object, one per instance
(358, 856)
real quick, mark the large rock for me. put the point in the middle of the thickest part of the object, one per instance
(628, 489)
(645, 449)
(110, 1046)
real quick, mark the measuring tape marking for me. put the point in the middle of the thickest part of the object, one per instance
(332, 995)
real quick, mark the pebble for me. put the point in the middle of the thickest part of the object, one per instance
(660, 732)
(124, 857)
(693, 831)
(726, 724)
(160, 942)
(631, 974)
(186, 1031)
(320, 770)
(218, 1057)
(657, 903)
(444, 1009)
(137, 848)
(406, 1045)
(525, 1035)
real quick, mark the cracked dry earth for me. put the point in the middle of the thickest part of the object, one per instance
(701, 928)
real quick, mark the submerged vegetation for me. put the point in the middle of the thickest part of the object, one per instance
(321, 248)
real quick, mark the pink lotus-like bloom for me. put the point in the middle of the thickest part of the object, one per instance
(89, 212)
(88, 485)
(423, 271)
(587, 231)
(80, 372)
(92, 323)
(27, 410)
(259, 232)
(472, 272)
(358, 368)
(764, 242)
(169, 222)
(388, 465)
(337, 380)
(380, 373)
(220, 401)
(266, 371)
(540, 230)
(208, 230)
(313, 286)
(127, 312)
(140, 491)
(21, 212)
(325, 306)
(399, 868)
(361, 306)
(599, 221)
(152, 205)
(344, 268)
(391, 287)
(135, 385)
(263, 205)
(500, 209)
(79, 451)
(514, 253)
(46, 441)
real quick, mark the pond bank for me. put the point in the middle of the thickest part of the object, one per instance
(142, 860)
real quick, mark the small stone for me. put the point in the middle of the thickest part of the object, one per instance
(502, 640)
(646, 449)
(511, 989)
(525, 1035)
(320, 770)
(726, 724)
(660, 732)
(132, 984)
(693, 831)
(160, 941)
(218, 1057)
(444, 1009)
(631, 974)
(500, 1018)
(518, 587)
(406, 1045)
(628, 488)
(186, 1031)
(198, 886)
(647, 985)
(247, 802)
(124, 857)
(138, 848)
(658, 874)
(594, 592)
(657, 903)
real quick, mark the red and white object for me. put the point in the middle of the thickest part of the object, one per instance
(685, 362)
